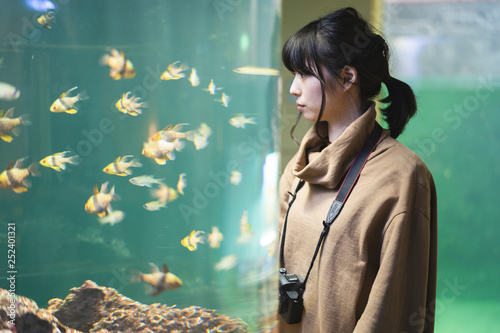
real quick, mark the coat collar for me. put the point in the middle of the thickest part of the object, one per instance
(328, 166)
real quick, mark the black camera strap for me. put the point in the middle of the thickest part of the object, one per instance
(338, 203)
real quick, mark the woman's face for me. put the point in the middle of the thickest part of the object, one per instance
(307, 89)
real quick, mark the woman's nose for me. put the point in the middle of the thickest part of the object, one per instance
(294, 88)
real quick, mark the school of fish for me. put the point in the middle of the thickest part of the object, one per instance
(160, 146)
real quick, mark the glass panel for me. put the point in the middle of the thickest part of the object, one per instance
(448, 51)
(204, 64)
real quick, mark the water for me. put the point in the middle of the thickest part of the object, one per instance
(58, 244)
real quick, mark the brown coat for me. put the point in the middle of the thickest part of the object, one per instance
(376, 270)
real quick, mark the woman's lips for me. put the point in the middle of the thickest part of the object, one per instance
(300, 106)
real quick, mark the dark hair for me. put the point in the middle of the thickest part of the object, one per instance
(344, 38)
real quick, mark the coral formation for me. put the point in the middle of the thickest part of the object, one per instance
(21, 314)
(92, 308)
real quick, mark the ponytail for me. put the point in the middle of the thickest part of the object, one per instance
(402, 105)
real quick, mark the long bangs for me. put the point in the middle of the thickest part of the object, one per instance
(299, 54)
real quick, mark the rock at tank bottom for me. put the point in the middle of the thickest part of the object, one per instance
(92, 308)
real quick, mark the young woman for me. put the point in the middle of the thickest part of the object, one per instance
(376, 268)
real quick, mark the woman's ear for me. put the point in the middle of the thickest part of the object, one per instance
(348, 75)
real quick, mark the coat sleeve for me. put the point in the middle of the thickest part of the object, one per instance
(399, 299)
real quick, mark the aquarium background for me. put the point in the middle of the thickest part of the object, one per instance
(448, 52)
(58, 244)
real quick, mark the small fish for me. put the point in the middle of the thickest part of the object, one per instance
(224, 100)
(113, 217)
(162, 151)
(200, 142)
(100, 202)
(67, 104)
(246, 234)
(257, 71)
(154, 205)
(171, 133)
(160, 281)
(271, 249)
(204, 130)
(14, 177)
(161, 144)
(191, 241)
(212, 88)
(130, 105)
(181, 183)
(193, 78)
(239, 121)
(244, 226)
(174, 72)
(120, 66)
(165, 194)
(200, 136)
(8, 92)
(46, 19)
(58, 161)
(145, 180)
(8, 124)
(120, 166)
(226, 263)
(214, 238)
(236, 177)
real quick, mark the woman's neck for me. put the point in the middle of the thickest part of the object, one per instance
(337, 126)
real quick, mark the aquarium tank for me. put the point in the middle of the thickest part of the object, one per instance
(448, 51)
(139, 164)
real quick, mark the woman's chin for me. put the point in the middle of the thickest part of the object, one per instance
(310, 117)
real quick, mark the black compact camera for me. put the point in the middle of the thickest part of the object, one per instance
(291, 303)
